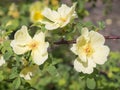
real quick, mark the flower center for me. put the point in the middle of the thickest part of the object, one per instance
(63, 19)
(38, 16)
(88, 50)
(33, 45)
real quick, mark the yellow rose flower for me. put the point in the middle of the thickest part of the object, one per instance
(36, 12)
(59, 18)
(13, 11)
(23, 42)
(91, 50)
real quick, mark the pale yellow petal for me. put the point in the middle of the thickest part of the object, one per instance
(40, 55)
(66, 11)
(50, 14)
(82, 56)
(100, 55)
(22, 35)
(72, 13)
(27, 76)
(96, 38)
(84, 67)
(39, 37)
(84, 31)
(51, 26)
(63, 10)
(19, 48)
(66, 22)
(74, 49)
(2, 61)
(22, 38)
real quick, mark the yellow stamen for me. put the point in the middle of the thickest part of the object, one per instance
(88, 50)
(63, 19)
(37, 16)
(33, 45)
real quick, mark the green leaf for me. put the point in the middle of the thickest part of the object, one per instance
(16, 83)
(56, 61)
(1, 75)
(13, 75)
(52, 70)
(91, 84)
(7, 55)
(101, 25)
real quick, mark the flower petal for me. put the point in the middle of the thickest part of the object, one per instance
(51, 26)
(40, 55)
(84, 67)
(101, 57)
(2, 61)
(74, 49)
(22, 35)
(96, 38)
(22, 38)
(84, 31)
(51, 15)
(66, 11)
(72, 12)
(39, 37)
(19, 48)
(66, 22)
(63, 10)
(27, 76)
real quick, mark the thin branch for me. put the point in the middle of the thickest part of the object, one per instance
(112, 37)
(62, 41)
